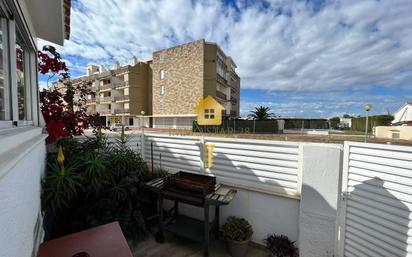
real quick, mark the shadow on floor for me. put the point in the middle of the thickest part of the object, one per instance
(179, 247)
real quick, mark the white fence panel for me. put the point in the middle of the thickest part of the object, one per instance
(265, 166)
(376, 217)
(269, 166)
(173, 153)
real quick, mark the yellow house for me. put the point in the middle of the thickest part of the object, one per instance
(209, 111)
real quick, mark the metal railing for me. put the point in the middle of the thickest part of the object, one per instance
(120, 111)
(221, 95)
(106, 99)
(121, 98)
(119, 84)
(105, 87)
(107, 111)
(91, 101)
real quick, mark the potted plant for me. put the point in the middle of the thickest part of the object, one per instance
(281, 246)
(237, 232)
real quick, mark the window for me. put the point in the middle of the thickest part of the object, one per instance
(22, 96)
(209, 114)
(396, 134)
(4, 90)
(162, 74)
(161, 57)
(162, 104)
(162, 89)
(18, 73)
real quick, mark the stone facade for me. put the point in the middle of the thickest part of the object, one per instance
(183, 68)
(191, 73)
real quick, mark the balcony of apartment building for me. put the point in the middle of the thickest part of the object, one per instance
(120, 84)
(106, 100)
(105, 112)
(105, 85)
(220, 95)
(121, 111)
(233, 100)
(122, 98)
(91, 101)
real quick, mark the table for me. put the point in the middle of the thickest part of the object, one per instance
(102, 241)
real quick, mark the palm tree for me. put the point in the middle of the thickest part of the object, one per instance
(261, 113)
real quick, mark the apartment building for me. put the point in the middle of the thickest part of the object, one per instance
(166, 89)
(184, 74)
(121, 94)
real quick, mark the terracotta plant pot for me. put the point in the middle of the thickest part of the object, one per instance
(238, 248)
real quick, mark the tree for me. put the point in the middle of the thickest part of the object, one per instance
(261, 113)
(65, 115)
(334, 122)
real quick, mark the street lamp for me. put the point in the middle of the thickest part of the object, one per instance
(142, 123)
(367, 108)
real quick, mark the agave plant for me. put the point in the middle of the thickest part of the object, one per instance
(61, 185)
(281, 246)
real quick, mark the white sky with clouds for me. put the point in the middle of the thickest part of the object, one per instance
(305, 58)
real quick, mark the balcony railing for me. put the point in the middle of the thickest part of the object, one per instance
(106, 87)
(221, 95)
(120, 84)
(91, 101)
(221, 79)
(120, 111)
(121, 98)
(108, 111)
(233, 100)
(106, 99)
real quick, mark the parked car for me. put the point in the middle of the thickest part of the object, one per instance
(118, 126)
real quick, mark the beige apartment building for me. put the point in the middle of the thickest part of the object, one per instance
(121, 93)
(166, 89)
(184, 74)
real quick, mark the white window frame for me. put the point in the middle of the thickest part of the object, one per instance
(8, 121)
(31, 100)
(162, 89)
(162, 74)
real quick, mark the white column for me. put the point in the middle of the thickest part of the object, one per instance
(321, 178)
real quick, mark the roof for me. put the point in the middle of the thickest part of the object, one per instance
(404, 114)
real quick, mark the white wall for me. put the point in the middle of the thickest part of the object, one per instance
(322, 165)
(266, 213)
(20, 174)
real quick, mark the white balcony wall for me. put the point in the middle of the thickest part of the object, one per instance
(21, 168)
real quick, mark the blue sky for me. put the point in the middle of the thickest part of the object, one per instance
(316, 58)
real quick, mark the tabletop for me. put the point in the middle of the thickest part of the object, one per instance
(102, 241)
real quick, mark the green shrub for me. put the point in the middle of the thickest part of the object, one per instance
(237, 229)
(281, 246)
(102, 182)
(359, 123)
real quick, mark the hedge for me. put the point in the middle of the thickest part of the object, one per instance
(239, 126)
(306, 123)
(358, 124)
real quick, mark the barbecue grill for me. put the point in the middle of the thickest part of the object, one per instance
(193, 189)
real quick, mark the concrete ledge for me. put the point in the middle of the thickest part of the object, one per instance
(17, 143)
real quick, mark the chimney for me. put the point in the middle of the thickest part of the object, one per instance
(116, 65)
(134, 60)
(92, 69)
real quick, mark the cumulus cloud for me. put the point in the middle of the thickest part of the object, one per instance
(302, 46)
